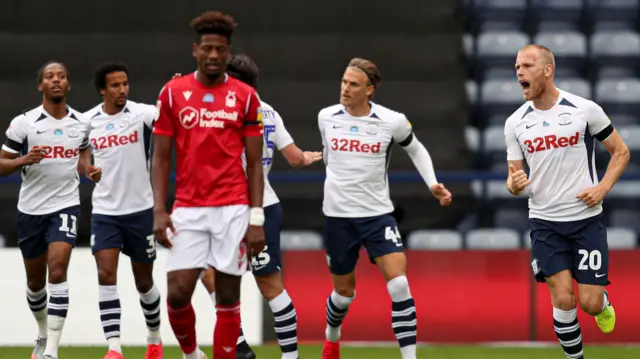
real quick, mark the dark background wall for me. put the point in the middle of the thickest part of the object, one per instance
(301, 47)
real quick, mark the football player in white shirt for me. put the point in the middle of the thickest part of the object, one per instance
(553, 133)
(266, 266)
(357, 136)
(122, 218)
(46, 144)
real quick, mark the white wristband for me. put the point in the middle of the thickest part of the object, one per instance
(257, 217)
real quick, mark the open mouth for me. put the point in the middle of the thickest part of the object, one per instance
(525, 85)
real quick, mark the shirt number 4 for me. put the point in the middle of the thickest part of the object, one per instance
(393, 234)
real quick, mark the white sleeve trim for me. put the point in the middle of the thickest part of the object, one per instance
(8, 149)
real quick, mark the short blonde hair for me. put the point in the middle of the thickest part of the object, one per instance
(369, 68)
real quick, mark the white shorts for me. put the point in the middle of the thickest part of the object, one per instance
(210, 236)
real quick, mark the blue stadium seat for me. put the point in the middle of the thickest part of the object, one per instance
(499, 48)
(472, 138)
(566, 71)
(569, 48)
(300, 240)
(625, 218)
(471, 88)
(498, 120)
(624, 120)
(493, 144)
(621, 238)
(500, 96)
(614, 72)
(631, 136)
(618, 96)
(557, 26)
(615, 48)
(501, 73)
(468, 45)
(613, 26)
(624, 195)
(613, 10)
(500, 10)
(576, 86)
(568, 11)
(511, 218)
(435, 240)
(493, 239)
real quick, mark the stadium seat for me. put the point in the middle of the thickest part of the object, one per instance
(499, 26)
(500, 10)
(556, 26)
(612, 26)
(468, 45)
(511, 218)
(624, 120)
(618, 95)
(614, 72)
(615, 48)
(621, 238)
(493, 239)
(471, 88)
(435, 240)
(612, 10)
(499, 48)
(569, 48)
(300, 240)
(472, 138)
(497, 120)
(625, 218)
(631, 136)
(526, 239)
(576, 86)
(500, 96)
(566, 11)
(567, 72)
(493, 144)
(501, 73)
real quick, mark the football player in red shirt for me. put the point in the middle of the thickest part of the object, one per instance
(217, 215)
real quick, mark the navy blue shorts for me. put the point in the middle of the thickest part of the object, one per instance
(579, 246)
(269, 260)
(343, 238)
(132, 233)
(35, 232)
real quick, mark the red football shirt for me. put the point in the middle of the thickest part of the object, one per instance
(208, 124)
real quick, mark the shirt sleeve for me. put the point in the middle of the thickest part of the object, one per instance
(598, 123)
(252, 125)
(150, 115)
(402, 131)
(165, 123)
(87, 133)
(514, 151)
(16, 135)
(282, 136)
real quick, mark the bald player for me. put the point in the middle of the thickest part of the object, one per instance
(553, 132)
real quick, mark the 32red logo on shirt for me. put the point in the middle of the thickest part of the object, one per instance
(59, 152)
(104, 142)
(548, 142)
(345, 145)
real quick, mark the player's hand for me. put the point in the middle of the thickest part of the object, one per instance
(310, 157)
(519, 179)
(94, 173)
(255, 240)
(35, 155)
(162, 226)
(592, 196)
(442, 194)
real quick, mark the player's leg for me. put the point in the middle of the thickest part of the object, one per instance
(186, 260)
(61, 236)
(266, 268)
(552, 262)
(106, 241)
(31, 232)
(385, 248)
(591, 271)
(342, 244)
(140, 246)
(207, 277)
(228, 256)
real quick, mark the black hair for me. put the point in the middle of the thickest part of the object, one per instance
(105, 68)
(43, 67)
(244, 69)
(214, 22)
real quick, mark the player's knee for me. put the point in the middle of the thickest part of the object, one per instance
(57, 274)
(270, 286)
(564, 300)
(591, 304)
(398, 289)
(346, 291)
(144, 285)
(227, 295)
(178, 296)
(36, 284)
(106, 276)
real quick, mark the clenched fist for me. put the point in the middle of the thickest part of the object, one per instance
(519, 179)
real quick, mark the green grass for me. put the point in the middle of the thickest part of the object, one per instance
(309, 352)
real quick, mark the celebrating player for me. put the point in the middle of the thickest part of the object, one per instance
(47, 144)
(266, 265)
(213, 119)
(553, 132)
(357, 207)
(122, 218)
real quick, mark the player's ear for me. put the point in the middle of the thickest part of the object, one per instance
(40, 87)
(548, 70)
(370, 89)
(194, 49)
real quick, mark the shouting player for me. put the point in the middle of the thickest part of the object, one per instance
(47, 144)
(213, 119)
(553, 133)
(357, 207)
(266, 265)
(122, 218)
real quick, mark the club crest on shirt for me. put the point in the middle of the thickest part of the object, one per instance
(564, 119)
(230, 100)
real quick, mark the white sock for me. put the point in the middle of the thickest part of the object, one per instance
(408, 352)
(38, 305)
(332, 332)
(286, 325)
(150, 303)
(213, 298)
(57, 314)
(197, 354)
(110, 315)
(605, 301)
(114, 344)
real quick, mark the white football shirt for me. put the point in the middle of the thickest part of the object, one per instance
(121, 146)
(52, 184)
(558, 146)
(356, 152)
